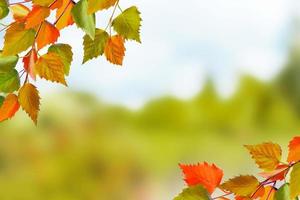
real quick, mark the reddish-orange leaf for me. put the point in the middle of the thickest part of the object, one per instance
(115, 50)
(64, 14)
(29, 61)
(37, 16)
(277, 175)
(209, 176)
(294, 150)
(56, 4)
(47, 34)
(19, 12)
(9, 107)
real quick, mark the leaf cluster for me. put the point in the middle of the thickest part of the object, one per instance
(205, 180)
(32, 31)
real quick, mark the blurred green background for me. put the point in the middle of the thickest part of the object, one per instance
(86, 149)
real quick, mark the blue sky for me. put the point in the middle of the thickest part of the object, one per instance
(184, 42)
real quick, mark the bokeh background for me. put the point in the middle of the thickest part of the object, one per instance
(209, 76)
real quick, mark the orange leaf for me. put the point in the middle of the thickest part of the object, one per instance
(19, 12)
(48, 34)
(209, 176)
(294, 150)
(269, 193)
(9, 107)
(64, 14)
(37, 16)
(115, 50)
(56, 4)
(29, 61)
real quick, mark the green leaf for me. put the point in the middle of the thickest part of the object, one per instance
(9, 81)
(65, 53)
(193, 193)
(17, 39)
(128, 24)
(84, 20)
(295, 181)
(8, 62)
(4, 10)
(283, 193)
(1, 100)
(94, 48)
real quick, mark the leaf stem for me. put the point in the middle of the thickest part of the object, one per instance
(111, 17)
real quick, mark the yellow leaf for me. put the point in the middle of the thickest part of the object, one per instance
(241, 185)
(295, 181)
(9, 107)
(30, 100)
(96, 5)
(115, 50)
(50, 67)
(17, 39)
(267, 155)
(19, 12)
(64, 14)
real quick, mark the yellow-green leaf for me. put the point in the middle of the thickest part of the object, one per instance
(128, 24)
(29, 100)
(241, 185)
(3, 9)
(9, 81)
(193, 193)
(17, 39)
(283, 193)
(94, 48)
(96, 5)
(8, 62)
(51, 67)
(84, 20)
(295, 181)
(267, 155)
(65, 53)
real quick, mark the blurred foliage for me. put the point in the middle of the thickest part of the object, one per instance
(84, 149)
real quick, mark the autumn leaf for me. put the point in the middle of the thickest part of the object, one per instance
(45, 3)
(29, 100)
(50, 67)
(65, 53)
(97, 5)
(241, 185)
(269, 193)
(128, 24)
(267, 155)
(294, 150)
(209, 176)
(9, 81)
(48, 34)
(37, 16)
(56, 4)
(283, 193)
(276, 175)
(3, 9)
(17, 39)
(8, 62)
(29, 61)
(9, 107)
(84, 20)
(193, 193)
(20, 12)
(64, 15)
(295, 181)
(94, 48)
(115, 50)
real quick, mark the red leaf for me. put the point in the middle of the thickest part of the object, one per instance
(29, 61)
(209, 176)
(294, 150)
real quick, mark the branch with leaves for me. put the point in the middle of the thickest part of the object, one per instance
(204, 180)
(32, 31)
